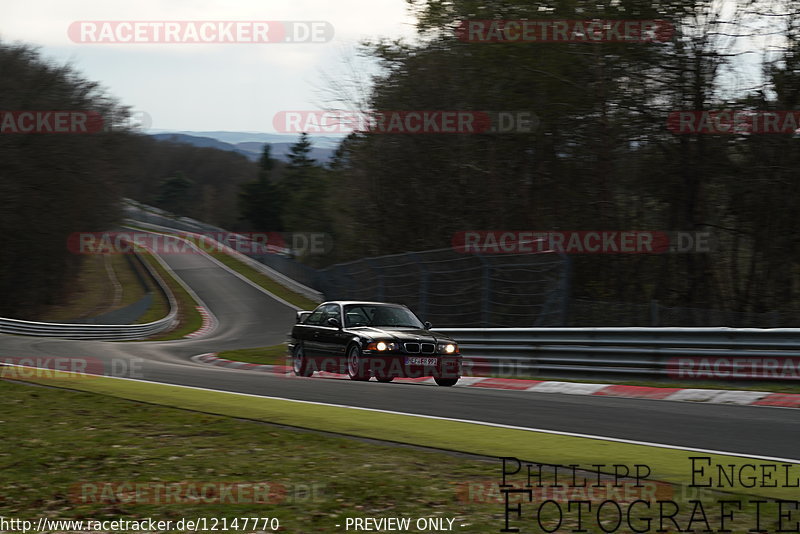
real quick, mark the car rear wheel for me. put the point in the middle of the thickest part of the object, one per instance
(446, 382)
(355, 364)
(384, 378)
(300, 363)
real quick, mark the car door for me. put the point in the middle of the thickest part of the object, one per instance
(333, 339)
(320, 337)
(308, 334)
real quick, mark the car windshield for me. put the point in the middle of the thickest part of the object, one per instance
(379, 315)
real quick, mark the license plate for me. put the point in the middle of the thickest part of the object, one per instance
(416, 360)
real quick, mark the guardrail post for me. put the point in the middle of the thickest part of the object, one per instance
(566, 288)
(654, 319)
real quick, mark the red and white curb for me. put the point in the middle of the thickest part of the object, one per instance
(713, 396)
(209, 322)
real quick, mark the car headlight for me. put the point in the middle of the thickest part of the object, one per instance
(382, 346)
(448, 348)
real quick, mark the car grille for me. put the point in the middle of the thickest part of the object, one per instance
(424, 348)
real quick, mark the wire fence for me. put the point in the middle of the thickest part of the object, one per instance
(600, 313)
(452, 289)
(443, 286)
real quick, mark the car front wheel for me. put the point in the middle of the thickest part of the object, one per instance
(446, 382)
(355, 364)
(300, 363)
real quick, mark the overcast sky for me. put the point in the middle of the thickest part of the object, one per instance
(235, 87)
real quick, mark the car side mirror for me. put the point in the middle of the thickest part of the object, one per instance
(428, 325)
(301, 316)
(333, 321)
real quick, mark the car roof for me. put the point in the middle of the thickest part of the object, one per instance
(370, 303)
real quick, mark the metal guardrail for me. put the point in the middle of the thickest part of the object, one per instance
(83, 331)
(98, 331)
(710, 354)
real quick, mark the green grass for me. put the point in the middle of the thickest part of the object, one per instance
(55, 439)
(669, 465)
(274, 355)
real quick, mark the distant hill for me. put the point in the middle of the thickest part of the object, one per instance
(322, 141)
(250, 144)
(205, 142)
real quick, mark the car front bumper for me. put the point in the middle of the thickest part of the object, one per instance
(413, 365)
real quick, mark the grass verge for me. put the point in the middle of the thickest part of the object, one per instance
(669, 465)
(61, 446)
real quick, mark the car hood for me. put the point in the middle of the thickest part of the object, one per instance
(402, 334)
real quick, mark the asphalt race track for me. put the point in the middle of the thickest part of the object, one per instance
(249, 318)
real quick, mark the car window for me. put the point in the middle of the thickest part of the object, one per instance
(356, 317)
(330, 310)
(379, 315)
(316, 316)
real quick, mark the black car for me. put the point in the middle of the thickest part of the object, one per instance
(365, 339)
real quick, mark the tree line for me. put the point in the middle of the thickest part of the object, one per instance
(603, 156)
(52, 185)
